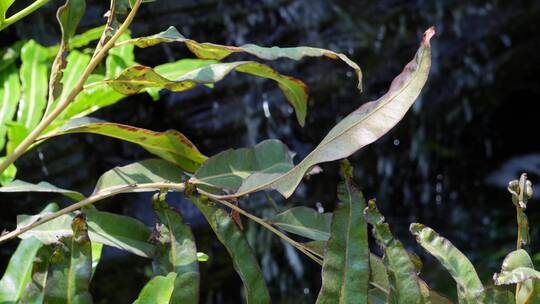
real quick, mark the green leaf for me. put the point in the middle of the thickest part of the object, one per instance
(233, 239)
(360, 128)
(158, 290)
(216, 51)
(119, 58)
(10, 54)
(10, 91)
(401, 267)
(122, 232)
(21, 186)
(16, 132)
(146, 171)
(35, 291)
(170, 145)
(7, 176)
(177, 253)
(175, 70)
(345, 272)
(97, 249)
(4, 5)
(518, 268)
(71, 268)
(33, 75)
(305, 222)
(76, 63)
(499, 296)
(19, 269)
(228, 169)
(135, 78)
(469, 286)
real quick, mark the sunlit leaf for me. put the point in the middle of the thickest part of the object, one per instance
(231, 237)
(177, 253)
(146, 171)
(518, 268)
(122, 232)
(360, 128)
(33, 75)
(119, 58)
(16, 133)
(469, 286)
(135, 78)
(170, 145)
(158, 290)
(306, 222)
(345, 272)
(19, 269)
(4, 5)
(10, 54)
(227, 170)
(76, 63)
(7, 176)
(10, 91)
(22, 186)
(71, 268)
(216, 51)
(402, 270)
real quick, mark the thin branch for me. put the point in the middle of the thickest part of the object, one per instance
(47, 120)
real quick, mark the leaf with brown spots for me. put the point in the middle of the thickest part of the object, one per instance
(135, 78)
(207, 50)
(170, 145)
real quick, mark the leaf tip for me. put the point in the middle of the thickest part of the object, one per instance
(430, 32)
(416, 228)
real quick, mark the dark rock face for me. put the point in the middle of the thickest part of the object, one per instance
(438, 166)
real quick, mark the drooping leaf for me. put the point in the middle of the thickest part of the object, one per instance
(360, 128)
(71, 268)
(10, 91)
(68, 16)
(33, 75)
(170, 145)
(305, 222)
(22, 186)
(218, 52)
(7, 176)
(122, 232)
(146, 171)
(19, 269)
(228, 169)
(469, 286)
(345, 272)
(135, 78)
(177, 253)
(4, 5)
(158, 290)
(231, 237)
(401, 267)
(35, 291)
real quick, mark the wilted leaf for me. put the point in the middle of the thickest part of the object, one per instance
(21, 186)
(345, 272)
(402, 270)
(33, 75)
(177, 253)
(231, 237)
(146, 171)
(135, 78)
(170, 145)
(158, 290)
(469, 286)
(227, 170)
(19, 269)
(216, 51)
(362, 127)
(122, 232)
(305, 222)
(71, 268)
(10, 91)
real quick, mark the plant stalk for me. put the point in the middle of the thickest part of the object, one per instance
(47, 120)
(23, 13)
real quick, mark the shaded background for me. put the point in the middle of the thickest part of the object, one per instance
(445, 165)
